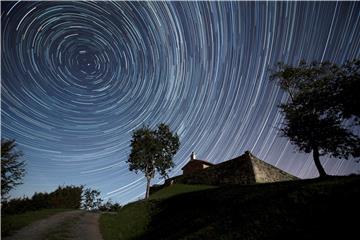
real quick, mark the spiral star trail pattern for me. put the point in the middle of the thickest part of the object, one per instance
(79, 77)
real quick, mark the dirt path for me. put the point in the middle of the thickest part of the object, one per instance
(73, 225)
(87, 227)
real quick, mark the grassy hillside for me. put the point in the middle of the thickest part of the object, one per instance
(134, 218)
(304, 209)
(177, 189)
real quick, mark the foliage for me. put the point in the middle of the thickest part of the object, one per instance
(12, 168)
(68, 197)
(109, 206)
(91, 199)
(320, 114)
(152, 150)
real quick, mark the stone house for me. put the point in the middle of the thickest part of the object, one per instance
(195, 165)
(244, 169)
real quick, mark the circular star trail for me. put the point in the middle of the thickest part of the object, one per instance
(79, 77)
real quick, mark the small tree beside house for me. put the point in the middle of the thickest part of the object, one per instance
(152, 151)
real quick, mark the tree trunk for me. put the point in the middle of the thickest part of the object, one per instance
(318, 165)
(148, 179)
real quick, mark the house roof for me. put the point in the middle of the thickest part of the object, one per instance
(198, 161)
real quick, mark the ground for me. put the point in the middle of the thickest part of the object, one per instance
(302, 209)
(71, 225)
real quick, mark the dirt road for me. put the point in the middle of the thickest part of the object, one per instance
(87, 227)
(72, 225)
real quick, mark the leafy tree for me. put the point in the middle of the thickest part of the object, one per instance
(319, 113)
(151, 151)
(91, 199)
(66, 197)
(12, 168)
(343, 91)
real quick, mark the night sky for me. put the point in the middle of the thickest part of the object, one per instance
(78, 77)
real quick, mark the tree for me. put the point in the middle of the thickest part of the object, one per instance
(151, 151)
(91, 199)
(67, 197)
(319, 115)
(12, 168)
(344, 91)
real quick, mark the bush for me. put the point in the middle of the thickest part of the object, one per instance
(110, 207)
(68, 197)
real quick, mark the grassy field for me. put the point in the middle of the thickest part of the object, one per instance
(11, 223)
(304, 209)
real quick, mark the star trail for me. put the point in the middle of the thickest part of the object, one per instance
(78, 77)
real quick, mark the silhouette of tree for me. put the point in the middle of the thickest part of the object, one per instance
(152, 150)
(12, 168)
(91, 199)
(323, 107)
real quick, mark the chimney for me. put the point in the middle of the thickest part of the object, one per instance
(248, 153)
(192, 157)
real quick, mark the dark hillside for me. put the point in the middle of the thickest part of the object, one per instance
(303, 209)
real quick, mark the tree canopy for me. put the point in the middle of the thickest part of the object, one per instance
(152, 151)
(323, 109)
(12, 167)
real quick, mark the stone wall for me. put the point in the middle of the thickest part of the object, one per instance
(265, 172)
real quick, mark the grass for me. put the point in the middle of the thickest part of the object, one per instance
(177, 189)
(132, 220)
(11, 223)
(303, 209)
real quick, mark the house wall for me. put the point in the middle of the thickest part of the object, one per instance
(193, 167)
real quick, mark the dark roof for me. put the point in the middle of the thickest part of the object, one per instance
(199, 161)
